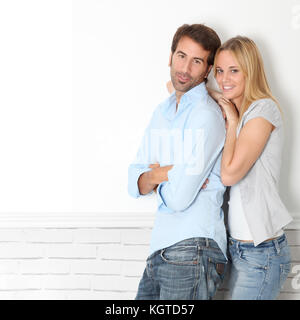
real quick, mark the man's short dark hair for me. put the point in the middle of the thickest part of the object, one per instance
(201, 34)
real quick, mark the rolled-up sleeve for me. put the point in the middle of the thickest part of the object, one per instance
(134, 172)
(141, 163)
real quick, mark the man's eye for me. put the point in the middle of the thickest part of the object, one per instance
(197, 61)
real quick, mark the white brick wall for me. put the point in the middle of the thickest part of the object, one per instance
(89, 263)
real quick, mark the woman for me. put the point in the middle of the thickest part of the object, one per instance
(250, 164)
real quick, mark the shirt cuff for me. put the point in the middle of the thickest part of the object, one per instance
(134, 174)
(161, 205)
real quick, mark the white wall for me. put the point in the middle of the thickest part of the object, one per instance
(120, 56)
(80, 80)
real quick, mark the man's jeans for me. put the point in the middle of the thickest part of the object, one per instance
(258, 273)
(190, 269)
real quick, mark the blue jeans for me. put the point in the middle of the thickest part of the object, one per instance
(188, 270)
(258, 273)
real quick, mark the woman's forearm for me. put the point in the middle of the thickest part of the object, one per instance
(228, 153)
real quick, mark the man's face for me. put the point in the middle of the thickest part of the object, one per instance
(188, 65)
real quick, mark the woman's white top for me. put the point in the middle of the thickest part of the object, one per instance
(237, 223)
(257, 198)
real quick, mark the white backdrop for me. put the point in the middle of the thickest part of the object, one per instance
(80, 80)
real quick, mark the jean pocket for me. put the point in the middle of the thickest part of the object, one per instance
(256, 260)
(180, 255)
(285, 269)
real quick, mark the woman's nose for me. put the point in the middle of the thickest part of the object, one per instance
(225, 77)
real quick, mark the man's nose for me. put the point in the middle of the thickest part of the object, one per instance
(186, 67)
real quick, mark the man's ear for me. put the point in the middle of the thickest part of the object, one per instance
(170, 59)
(208, 71)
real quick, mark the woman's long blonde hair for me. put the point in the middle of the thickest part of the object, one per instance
(249, 58)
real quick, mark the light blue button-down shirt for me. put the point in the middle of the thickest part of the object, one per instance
(191, 139)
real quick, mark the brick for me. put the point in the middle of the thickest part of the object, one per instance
(120, 252)
(44, 267)
(11, 235)
(111, 295)
(293, 237)
(80, 295)
(133, 268)
(97, 236)
(115, 283)
(96, 267)
(9, 267)
(100, 295)
(21, 251)
(288, 296)
(67, 282)
(295, 253)
(107, 283)
(7, 295)
(139, 253)
(130, 284)
(110, 252)
(48, 236)
(71, 251)
(135, 236)
(20, 282)
(40, 295)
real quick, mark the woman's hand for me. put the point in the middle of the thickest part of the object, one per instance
(230, 112)
(216, 95)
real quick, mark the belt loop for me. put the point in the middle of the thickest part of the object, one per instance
(206, 242)
(276, 244)
(237, 243)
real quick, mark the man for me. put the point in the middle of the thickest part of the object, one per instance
(180, 150)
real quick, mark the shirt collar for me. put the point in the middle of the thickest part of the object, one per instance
(195, 94)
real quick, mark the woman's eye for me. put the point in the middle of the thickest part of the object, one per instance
(219, 71)
(234, 70)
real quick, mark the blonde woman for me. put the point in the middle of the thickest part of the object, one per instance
(251, 165)
(258, 247)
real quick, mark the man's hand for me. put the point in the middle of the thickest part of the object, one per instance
(150, 180)
(159, 174)
(205, 184)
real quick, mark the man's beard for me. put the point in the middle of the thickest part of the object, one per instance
(182, 87)
(185, 87)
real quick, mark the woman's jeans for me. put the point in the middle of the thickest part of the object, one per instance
(190, 269)
(258, 273)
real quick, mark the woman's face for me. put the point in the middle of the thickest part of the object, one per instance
(230, 77)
